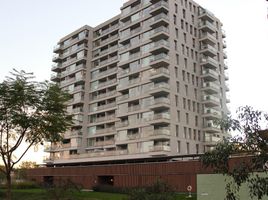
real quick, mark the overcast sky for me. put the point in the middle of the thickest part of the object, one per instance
(30, 28)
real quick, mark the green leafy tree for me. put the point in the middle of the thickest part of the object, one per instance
(31, 113)
(251, 145)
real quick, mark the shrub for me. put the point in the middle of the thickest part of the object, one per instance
(110, 189)
(25, 185)
(160, 190)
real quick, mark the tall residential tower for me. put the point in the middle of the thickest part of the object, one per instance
(148, 82)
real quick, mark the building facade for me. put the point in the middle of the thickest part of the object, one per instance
(148, 82)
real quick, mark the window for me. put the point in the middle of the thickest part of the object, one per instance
(185, 63)
(176, 72)
(182, 49)
(197, 107)
(189, 104)
(183, 13)
(187, 148)
(188, 77)
(175, 45)
(186, 90)
(186, 26)
(193, 19)
(178, 115)
(176, 8)
(193, 106)
(179, 146)
(182, 24)
(176, 100)
(193, 80)
(194, 134)
(194, 67)
(187, 118)
(193, 43)
(185, 37)
(196, 120)
(184, 103)
(190, 133)
(190, 5)
(177, 59)
(197, 148)
(195, 93)
(177, 130)
(177, 33)
(184, 132)
(178, 87)
(183, 75)
(175, 19)
(199, 135)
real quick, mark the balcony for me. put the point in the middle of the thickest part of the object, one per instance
(57, 48)
(160, 20)
(226, 76)
(128, 84)
(123, 97)
(159, 7)
(227, 87)
(207, 26)
(211, 101)
(160, 47)
(160, 74)
(211, 114)
(208, 38)
(106, 83)
(159, 104)
(106, 106)
(209, 75)
(209, 62)
(159, 33)
(224, 54)
(56, 67)
(55, 77)
(134, 108)
(160, 60)
(211, 88)
(224, 44)
(161, 118)
(211, 127)
(104, 95)
(208, 50)
(105, 73)
(122, 124)
(206, 15)
(112, 28)
(223, 33)
(161, 88)
(105, 130)
(110, 39)
(56, 58)
(159, 148)
(161, 131)
(73, 71)
(104, 143)
(211, 140)
(105, 118)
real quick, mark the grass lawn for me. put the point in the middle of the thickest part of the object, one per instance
(40, 194)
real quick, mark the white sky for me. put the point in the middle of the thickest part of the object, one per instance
(30, 28)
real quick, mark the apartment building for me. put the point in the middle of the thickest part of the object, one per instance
(149, 82)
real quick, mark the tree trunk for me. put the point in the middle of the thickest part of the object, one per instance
(8, 192)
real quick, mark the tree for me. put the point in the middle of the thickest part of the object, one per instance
(28, 165)
(251, 145)
(30, 112)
